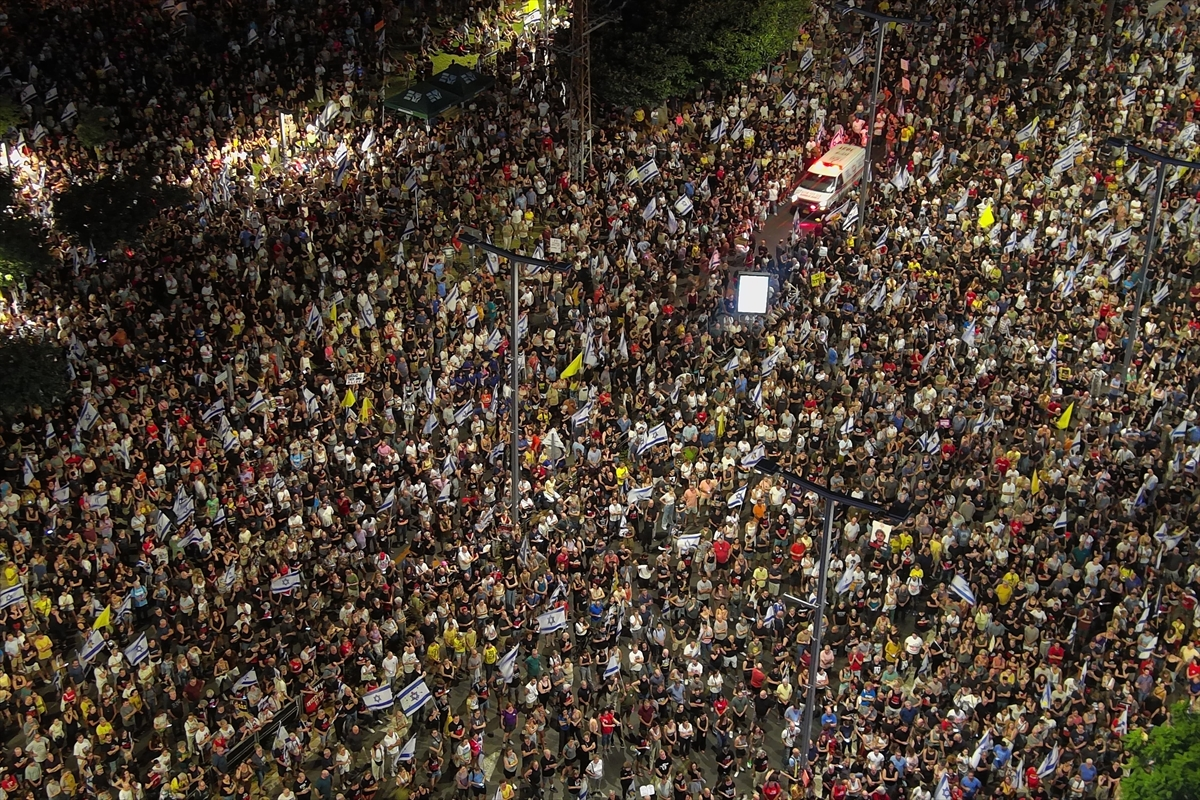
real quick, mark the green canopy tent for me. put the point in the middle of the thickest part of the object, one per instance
(423, 101)
(462, 81)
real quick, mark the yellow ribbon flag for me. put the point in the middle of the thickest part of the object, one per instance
(349, 400)
(1065, 420)
(1035, 485)
(987, 218)
(367, 409)
(573, 367)
(104, 620)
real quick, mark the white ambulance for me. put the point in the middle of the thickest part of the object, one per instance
(829, 179)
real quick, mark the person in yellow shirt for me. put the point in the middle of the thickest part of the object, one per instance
(45, 653)
(760, 577)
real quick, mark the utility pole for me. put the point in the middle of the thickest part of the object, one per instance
(882, 20)
(1134, 328)
(831, 501)
(579, 124)
(474, 238)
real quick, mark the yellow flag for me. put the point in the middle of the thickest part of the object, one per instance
(1035, 485)
(367, 408)
(1064, 421)
(986, 218)
(104, 619)
(573, 367)
(349, 400)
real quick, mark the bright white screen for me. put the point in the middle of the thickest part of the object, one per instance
(752, 293)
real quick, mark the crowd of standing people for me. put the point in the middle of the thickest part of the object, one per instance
(273, 516)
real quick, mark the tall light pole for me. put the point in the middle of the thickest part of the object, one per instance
(832, 499)
(884, 20)
(474, 238)
(1163, 161)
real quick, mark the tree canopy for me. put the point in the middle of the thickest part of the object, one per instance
(24, 248)
(1165, 763)
(664, 48)
(111, 209)
(33, 372)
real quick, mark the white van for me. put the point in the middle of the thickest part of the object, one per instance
(829, 179)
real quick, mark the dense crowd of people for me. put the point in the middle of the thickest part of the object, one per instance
(275, 510)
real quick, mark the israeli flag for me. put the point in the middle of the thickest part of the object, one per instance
(1050, 764)
(485, 519)
(388, 503)
(1028, 132)
(472, 317)
(213, 411)
(379, 700)
(507, 664)
(13, 595)
(850, 219)
(768, 364)
(756, 395)
(733, 364)
(717, 133)
(245, 682)
(806, 60)
(737, 498)
(1169, 540)
(463, 414)
(959, 585)
(1063, 61)
(430, 425)
(683, 205)
(193, 537)
(444, 495)
(845, 582)
(27, 471)
(640, 494)
(580, 417)
(91, 648)
(648, 171)
(754, 456)
(650, 210)
(409, 751)
(985, 744)
(961, 205)
(311, 404)
(257, 402)
(1099, 211)
(139, 651)
(614, 664)
(968, 334)
(1161, 293)
(413, 696)
(368, 141)
(1015, 168)
(1061, 522)
(183, 508)
(859, 53)
(688, 542)
(1047, 695)
(942, 792)
(88, 417)
(788, 101)
(552, 621)
(655, 436)
(285, 583)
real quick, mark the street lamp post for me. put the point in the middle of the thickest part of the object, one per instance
(868, 170)
(1163, 161)
(475, 239)
(831, 500)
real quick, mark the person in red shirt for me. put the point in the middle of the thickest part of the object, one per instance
(608, 724)
(771, 789)
(1055, 654)
(757, 677)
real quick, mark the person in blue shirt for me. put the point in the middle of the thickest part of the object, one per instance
(829, 719)
(970, 785)
(1087, 771)
(1003, 753)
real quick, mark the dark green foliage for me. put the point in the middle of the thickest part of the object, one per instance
(33, 372)
(92, 127)
(8, 190)
(1164, 765)
(23, 246)
(665, 48)
(112, 209)
(11, 114)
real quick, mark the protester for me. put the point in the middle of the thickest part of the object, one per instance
(280, 487)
